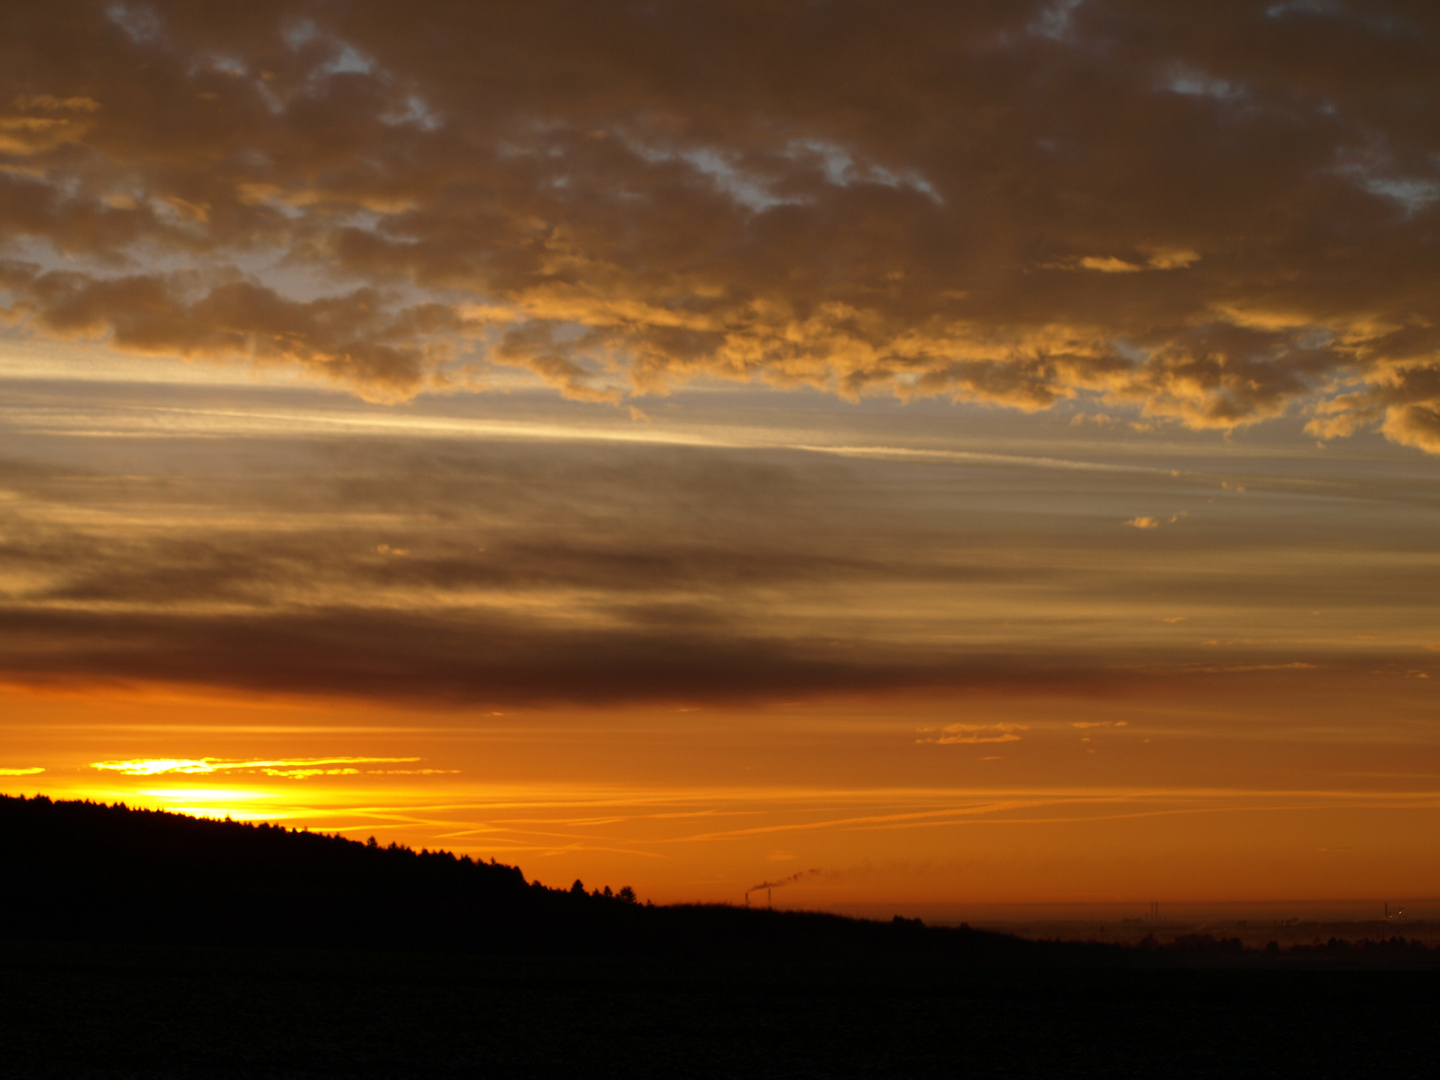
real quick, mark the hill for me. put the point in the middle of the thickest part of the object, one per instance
(82, 871)
(86, 871)
(137, 943)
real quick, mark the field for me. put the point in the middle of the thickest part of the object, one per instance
(131, 1011)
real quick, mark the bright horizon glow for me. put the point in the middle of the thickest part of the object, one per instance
(1010, 840)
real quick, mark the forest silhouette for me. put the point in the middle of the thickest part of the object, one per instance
(138, 943)
(87, 871)
(84, 871)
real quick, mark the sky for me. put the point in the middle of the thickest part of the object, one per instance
(905, 458)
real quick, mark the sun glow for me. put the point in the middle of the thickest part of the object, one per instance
(238, 804)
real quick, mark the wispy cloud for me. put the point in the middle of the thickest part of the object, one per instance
(291, 768)
(977, 733)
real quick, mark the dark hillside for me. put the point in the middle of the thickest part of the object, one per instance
(84, 871)
(136, 944)
(80, 871)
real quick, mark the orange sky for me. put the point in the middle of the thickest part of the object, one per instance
(981, 455)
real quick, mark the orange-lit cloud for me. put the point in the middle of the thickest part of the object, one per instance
(977, 733)
(1211, 215)
(294, 768)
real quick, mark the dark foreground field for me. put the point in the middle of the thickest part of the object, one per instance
(122, 1011)
(148, 945)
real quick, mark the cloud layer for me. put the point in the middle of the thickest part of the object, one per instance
(468, 572)
(1213, 213)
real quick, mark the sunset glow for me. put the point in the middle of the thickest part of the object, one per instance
(980, 455)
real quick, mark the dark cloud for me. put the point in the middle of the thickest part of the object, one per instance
(463, 572)
(504, 659)
(622, 532)
(349, 338)
(1214, 212)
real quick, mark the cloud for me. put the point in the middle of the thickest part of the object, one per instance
(1189, 209)
(294, 768)
(354, 338)
(480, 657)
(535, 573)
(598, 573)
(33, 770)
(977, 733)
(1152, 523)
(1294, 665)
